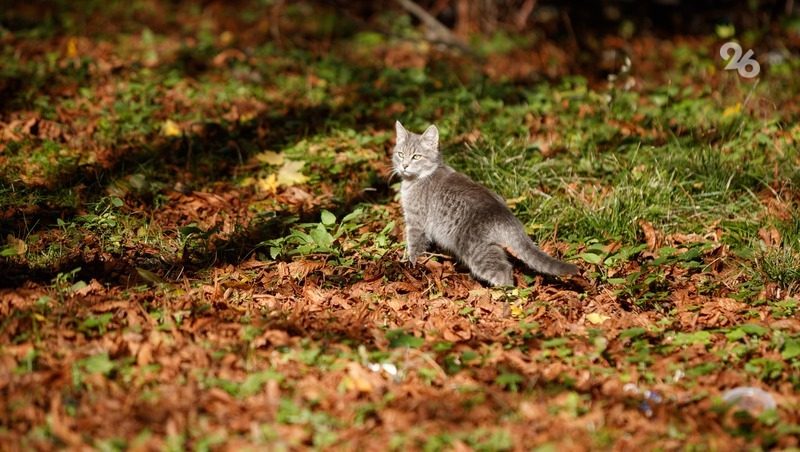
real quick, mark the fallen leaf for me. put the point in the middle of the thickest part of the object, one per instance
(733, 110)
(771, 237)
(267, 184)
(270, 158)
(14, 247)
(596, 319)
(171, 129)
(145, 354)
(94, 286)
(72, 48)
(290, 174)
(149, 276)
(512, 202)
(358, 379)
(650, 235)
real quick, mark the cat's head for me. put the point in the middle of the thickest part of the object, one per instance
(416, 156)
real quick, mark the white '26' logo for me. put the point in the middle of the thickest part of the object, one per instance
(747, 66)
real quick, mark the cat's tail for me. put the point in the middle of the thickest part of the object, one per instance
(523, 248)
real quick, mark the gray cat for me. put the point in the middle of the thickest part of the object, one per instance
(445, 207)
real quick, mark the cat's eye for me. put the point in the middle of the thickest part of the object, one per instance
(416, 157)
(400, 154)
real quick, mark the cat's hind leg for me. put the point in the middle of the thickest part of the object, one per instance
(490, 263)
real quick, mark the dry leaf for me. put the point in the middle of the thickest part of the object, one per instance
(270, 158)
(596, 319)
(512, 202)
(650, 235)
(267, 184)
(358, 379)
(771, 237)
(733, 110)
(72, 48)
(171, 129)
(290, 174)
(14, 246)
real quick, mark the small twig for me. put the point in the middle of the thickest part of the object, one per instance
(441, 33)
(570, 30)
(275, 18)
(524, 13)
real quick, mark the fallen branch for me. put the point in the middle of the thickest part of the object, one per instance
(440, 33)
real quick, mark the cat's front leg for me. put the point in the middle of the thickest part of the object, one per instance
(416, 243)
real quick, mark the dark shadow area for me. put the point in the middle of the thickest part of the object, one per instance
(213, 153)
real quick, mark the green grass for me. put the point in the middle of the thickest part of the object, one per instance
(677, 197)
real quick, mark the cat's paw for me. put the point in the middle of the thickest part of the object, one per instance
(410, 258)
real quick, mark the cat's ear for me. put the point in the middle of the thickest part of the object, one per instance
(431, 136)
(402, 133)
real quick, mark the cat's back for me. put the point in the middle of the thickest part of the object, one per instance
(453, 190)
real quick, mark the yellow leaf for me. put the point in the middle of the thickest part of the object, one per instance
(149, 276)
(244, 117)
(358, 379)
(14, 247)
(733, 110)
(512, 202)
(171, 129)
(268, 184)
(596, 319)
(226, 37)
(290, 174)
(270, 158)
(72, 48)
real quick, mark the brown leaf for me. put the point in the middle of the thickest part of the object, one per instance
(93, 287)
(650, 235)
(276, 338)
(771, 237)
(145, 354)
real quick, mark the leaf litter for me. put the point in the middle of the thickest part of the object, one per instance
(341, 345)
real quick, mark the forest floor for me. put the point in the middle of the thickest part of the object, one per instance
(201, 246)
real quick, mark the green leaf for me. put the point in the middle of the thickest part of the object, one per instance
(253, 383)
(149, 276)
(555, 342)
(9, 250)
(274, 252)
(632, 332)
(352, 215)
(697, 337)
(190, 229)
(98, 322)
(725, 31)
(791, 349)
(702, 369)
(399, 338)
(735, 334)
(78, 285)
(748, 329)
(591, 258)
(442, 346)
(509, 380)
(328, 219)
(98, 364)
(322, 238)
(752, 328)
